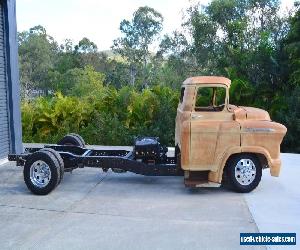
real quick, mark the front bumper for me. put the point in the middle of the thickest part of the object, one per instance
(275, 166)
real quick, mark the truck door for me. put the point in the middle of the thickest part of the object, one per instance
(210, 124)
(184, 114)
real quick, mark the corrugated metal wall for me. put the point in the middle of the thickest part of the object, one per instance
(4, 131)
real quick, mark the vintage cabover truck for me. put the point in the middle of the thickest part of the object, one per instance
(215, 142)
(216, 139)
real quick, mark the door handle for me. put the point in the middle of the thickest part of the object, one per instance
(196, 116)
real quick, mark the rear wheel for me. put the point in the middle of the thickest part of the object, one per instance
(79, 138)
(244, 172)
(41, 172)
(60, 161)
(73, 140)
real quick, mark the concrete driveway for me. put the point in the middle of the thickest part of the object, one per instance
(96, 210)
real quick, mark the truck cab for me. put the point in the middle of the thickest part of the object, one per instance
(216, 139)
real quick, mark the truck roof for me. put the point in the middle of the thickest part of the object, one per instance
(198, 80)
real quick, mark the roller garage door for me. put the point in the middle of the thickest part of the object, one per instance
(4, 127)
(10, 117)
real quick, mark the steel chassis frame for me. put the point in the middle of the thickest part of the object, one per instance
(77, 157)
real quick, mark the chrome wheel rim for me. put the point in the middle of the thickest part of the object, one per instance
(40, 174)
(245, 172)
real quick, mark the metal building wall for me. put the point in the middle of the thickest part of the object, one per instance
(4, 132)
(10, 118)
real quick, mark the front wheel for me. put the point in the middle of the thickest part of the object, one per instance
(244, 172)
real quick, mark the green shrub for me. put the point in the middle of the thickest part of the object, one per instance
(107, 117)
(288, 113)
(46, 120)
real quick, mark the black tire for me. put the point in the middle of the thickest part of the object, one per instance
(53, 166)
(79, 137)
(72, 139)
(179, 170)
(60, 161)
(239, 181)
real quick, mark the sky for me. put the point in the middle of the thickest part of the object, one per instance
(97, 20)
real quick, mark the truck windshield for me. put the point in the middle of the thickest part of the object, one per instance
(210, 99)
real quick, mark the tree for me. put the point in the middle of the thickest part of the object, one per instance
(175, 45)
(289, 114)
(240, 36)
(67, 58)
(138, 35)
(85, 45)
(174, 54)
(80, 82)
(292, 49)
(37, 51)
(287, 108)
